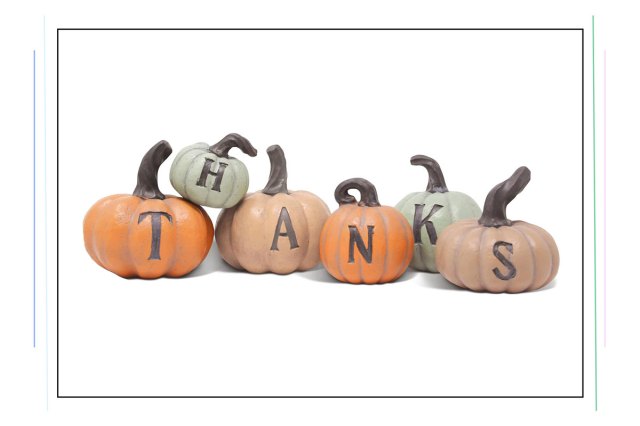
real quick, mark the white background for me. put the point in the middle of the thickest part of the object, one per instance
(341, 104)
(96, 297)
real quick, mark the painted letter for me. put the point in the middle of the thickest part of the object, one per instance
(289, 231)
(511, 270)
(206, 170)
(356, 239)
(417, 224)
(156, 230)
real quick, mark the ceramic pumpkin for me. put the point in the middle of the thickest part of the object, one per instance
(431, 211)
(273, 230)
(148, 234)
(364, 242)
(494, 253)
(208, 176)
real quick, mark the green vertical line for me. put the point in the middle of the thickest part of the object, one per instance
(595, 294)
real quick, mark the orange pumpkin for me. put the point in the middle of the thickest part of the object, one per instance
(273, 230)
(148, 234)
(496, 254)
(364, 242)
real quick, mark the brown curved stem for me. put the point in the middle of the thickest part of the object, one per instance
(495, 205)
(436, 178)
(233, 140)
(147, 186)
(277, 183)
(368, 193)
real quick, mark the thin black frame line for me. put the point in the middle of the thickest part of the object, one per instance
(318, 29)
(583, 212)
(290, 29)
(323, 397)
(58, 213)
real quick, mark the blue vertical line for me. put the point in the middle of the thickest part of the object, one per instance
(34, 198)
(46, 238)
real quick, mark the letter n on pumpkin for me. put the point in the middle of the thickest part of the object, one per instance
(355, 239)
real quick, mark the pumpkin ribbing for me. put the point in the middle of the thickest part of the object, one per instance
(494, 253)
(273, 230)
(147, 234)
(365, 242)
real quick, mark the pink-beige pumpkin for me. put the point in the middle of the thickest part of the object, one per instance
(495, 254)
(273, 230)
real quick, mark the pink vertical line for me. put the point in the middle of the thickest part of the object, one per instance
(604, 174)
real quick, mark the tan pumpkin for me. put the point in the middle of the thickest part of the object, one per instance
(273, 230)
(496, 254)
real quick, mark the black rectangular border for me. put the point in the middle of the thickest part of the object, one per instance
(288, 29)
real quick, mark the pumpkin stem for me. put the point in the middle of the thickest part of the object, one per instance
(277, 183)
(147, 186)
(368, 193)
(436, 178)
(233, 140)
(495, 206)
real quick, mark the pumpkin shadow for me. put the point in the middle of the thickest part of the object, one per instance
(436, 281)
(212, 263)
(549, 286)
(320, 274)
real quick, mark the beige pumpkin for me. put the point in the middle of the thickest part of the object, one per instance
(496, 254)
(274, 230)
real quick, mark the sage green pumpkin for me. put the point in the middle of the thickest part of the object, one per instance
(208, 176)
(431, 211)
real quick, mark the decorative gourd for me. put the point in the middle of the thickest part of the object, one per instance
(274, 230)
(148, 234)
(364, 242)
(431, 211)
(207, 175)
(495, 254)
